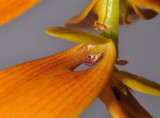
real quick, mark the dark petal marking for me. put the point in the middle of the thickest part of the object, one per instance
(116, 93)
(92, 59)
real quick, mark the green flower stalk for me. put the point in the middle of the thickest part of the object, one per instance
(112, 19)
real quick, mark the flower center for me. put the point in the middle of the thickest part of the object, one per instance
(92, 59)
(95, 53)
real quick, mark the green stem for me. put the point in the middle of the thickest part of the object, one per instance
(112, 19)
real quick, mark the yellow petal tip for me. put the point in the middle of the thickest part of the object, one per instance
(77, 36)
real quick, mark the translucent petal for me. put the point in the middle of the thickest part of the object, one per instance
(9, 9)
(76, 35)
(138, 83)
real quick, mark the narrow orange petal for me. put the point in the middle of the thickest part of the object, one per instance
(133, 107)
(82, 15)
(150, 4)
(47, 87)
(114, 107)
(91, 17)
(9, 9)
(145, 14)
(127, 106)
(125, 12)
(99, 9)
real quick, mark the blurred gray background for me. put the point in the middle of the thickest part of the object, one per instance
(23, 39)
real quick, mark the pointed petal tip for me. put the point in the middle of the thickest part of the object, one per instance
(138, 83)
(144, 13)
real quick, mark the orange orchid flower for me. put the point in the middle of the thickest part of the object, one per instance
(94, 14)
(10, 9)
(115, 94)
(49, 87)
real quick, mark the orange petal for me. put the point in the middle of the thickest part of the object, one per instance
(127, 106)
(9, 9)
(150, 4)
(82, 15)
(145, 14)
(133, 107)
(47, 87)
(125, 12)
(114, 107)
(91, 17)
(99, 9)
(43, 68)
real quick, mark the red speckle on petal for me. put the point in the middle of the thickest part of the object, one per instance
(92, 59)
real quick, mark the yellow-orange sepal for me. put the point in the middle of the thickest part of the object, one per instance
(150, 4)
(47, 87)
(92, 16)
(126, 106)
(10, 9)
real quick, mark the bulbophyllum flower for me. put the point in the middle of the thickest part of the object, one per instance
(116, 93)
(10, 9)
(95, 13)
(49, 87)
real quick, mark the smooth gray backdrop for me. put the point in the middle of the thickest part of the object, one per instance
(23, 39)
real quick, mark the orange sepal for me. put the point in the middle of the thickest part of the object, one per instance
(144, 13)
(91, 17)
(150, 4)
(47, 87)
(82, 15)
(10, 9)
(127, 106)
